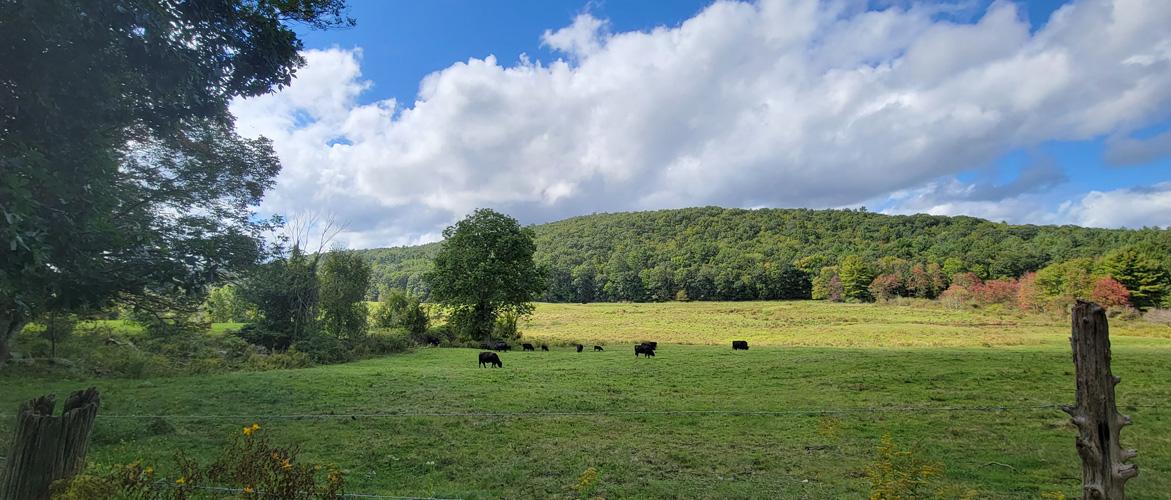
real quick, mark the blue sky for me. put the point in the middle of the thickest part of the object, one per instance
(551, 109)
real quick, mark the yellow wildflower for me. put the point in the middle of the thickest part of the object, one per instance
(247, 431)
(247, 490)
(285, 464)
(181, 481)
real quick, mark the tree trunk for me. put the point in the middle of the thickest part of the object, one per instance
(9, 327)
(47, 448)
(1095, 415)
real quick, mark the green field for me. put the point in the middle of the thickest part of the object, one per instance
(805, 357)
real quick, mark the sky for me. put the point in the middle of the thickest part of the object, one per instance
(1034, 112)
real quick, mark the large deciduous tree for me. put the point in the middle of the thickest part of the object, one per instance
(485, 268)
(121, 174)
(345, 276)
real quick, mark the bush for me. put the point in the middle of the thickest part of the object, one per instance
(900, 474)
(382, 342)
(1160, 316)
(1123, 313)
(506, 327)
(251, 464)
(326, 350)
(287, 360)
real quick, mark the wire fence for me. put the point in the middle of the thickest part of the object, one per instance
(356, 416)
(262, 493)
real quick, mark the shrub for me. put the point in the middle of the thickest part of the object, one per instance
(900, 474)
(251, 466)
(955, 297)
(381, 342)
(506, 326)
(326, 349)
(1160, 316)
(287, 360)
(1123, 313)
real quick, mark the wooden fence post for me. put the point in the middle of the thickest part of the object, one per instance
(1096, 417)
(47, 448)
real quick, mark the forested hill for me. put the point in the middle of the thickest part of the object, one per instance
(713, 253)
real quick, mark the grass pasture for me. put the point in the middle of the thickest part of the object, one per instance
(933, 360)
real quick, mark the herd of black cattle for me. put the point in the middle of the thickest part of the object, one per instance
(647, 349)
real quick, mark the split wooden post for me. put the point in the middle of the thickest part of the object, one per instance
(1095, 415)
(47, 448)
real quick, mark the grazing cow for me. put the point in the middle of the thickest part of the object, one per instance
(740, 344)
(597, 348)
(490, 358)
(654, 345)
(644, 349)
(432, 340)
(579, 347)
(544, 347)
(501, 346)
(527, 347)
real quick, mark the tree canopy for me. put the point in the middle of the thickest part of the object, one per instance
(485, 268)
(121, 174)
(713, 253)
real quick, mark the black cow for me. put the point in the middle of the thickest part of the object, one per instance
(579, 347)
(544, 347)
(490, 358)
(501, 346)
(654, 345)
(597, 348)
(527, 347)
(644, 349)
(740, 344)
(432, 340)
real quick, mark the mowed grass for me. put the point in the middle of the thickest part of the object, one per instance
(1005, 454)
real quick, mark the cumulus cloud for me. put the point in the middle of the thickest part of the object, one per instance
(1135, 207)
(775, 103)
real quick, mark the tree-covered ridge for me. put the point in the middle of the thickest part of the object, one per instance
(713, 253)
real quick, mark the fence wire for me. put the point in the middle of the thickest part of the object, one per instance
(262, 493)
(356, 416)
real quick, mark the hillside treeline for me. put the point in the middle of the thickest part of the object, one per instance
(712, 253)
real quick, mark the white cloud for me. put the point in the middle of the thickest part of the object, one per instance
(1133, 208)
(776, 103)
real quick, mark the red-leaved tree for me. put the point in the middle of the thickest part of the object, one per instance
(1108, 292)
(885, 287)
(995, 292)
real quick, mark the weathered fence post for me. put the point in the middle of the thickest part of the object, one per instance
(47, 448)
(1096, 417)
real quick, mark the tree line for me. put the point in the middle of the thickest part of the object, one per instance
(712, 253)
